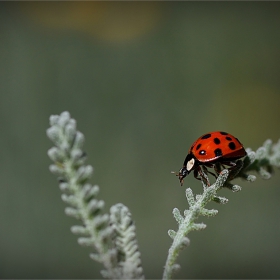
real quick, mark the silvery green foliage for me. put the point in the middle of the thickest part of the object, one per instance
(125, 241)
(113, 236)
(108, 238)
(186, 222)
(262, 161)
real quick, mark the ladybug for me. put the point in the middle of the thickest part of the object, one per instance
(210, 148)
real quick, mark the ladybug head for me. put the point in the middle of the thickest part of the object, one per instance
(183, 172)
(189, 165)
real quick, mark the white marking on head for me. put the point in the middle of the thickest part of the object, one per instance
(190, 164)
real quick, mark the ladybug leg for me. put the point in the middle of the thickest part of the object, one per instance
(195, 174)
(217, 168)
(215, 175)
(202, 175)
(211, 166)
(231, 164)
(232, 167)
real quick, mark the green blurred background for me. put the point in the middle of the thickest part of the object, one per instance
(143, 80)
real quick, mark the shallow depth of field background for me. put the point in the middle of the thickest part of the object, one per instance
(143, 80)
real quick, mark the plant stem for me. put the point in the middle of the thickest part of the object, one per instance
(186, 224)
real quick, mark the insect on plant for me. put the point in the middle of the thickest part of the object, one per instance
(208, 150)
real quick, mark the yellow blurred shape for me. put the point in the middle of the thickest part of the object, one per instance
(113, 21)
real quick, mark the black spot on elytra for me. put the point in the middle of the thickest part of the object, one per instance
(232, 146)
(228, 138)
(217, 141)
(206, 136)
(223, 133)
(202, 152)
(218, 152)
(198, 146)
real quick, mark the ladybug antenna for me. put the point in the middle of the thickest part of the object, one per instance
(176, 173)
(180, 175)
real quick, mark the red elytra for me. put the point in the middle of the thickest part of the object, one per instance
(210, 148)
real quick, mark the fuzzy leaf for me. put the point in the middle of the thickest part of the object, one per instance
(54, 120)
(73, 212)
(186, 212)
(95, 257)
(261, 153)
(79, 140)
(57, 169)
(234, 188)
(70, 132)
(264, 174)
(80, 230)
(172, 233)
(198, 226)
(84, 173)
(220, 199)
(55, 154)
(221, 178)
(86, 241)
(70, 199)
(190, 197)
(251, 178)
(184, 242)
(95, 206)
(64, 186)
(54, 134)
(101, 221)
(177, 215)
(175, 268)
(208, 213)
(89, 191)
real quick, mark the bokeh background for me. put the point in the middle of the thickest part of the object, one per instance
(143, 80)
